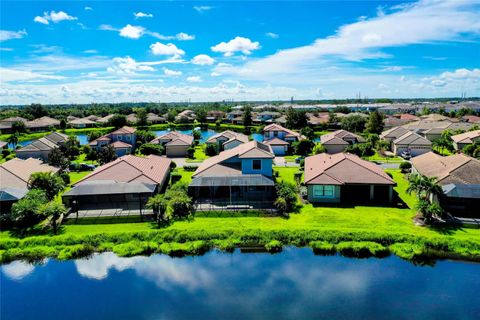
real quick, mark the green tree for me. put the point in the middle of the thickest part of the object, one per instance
(201, 115)
(296, 119)
(57, 159)
(19, 127)
(247, 117)
(158, 204)
(353, 123)
(118, 121)
(106, 154)
(374, 123)
(151, 148)
(303, 147)
(288, 193)
(53, 210)
(145, 136)
(50, 183)
(197, 134)
(142, 117)
(25, 211)
(13, 139)
(36, 110)
(71, 148)
(308, 132)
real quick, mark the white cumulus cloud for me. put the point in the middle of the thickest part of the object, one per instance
(202, 9)
(128, 65)
(140, 14)
(132, 32)
(203, 60)
(272, 35)
(194, 79)
(171, 73)
(184, 36)
(168, 49)
(8, 35)
(239, 44)
(54, 16)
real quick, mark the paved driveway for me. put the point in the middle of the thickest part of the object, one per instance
(281, 162)
(180, 162)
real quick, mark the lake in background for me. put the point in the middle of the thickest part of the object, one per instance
(294, 284)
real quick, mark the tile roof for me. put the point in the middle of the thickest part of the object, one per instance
(277, 127)
(343, 168)
(82, 121)
(393, 133)
(120, 145)
(339, 136)
(276, 142)
(252, 149)
(229, 135)
(466, 137)
(124, 130)
(412, 139)
(43, 122)
(471, 118)
(175, 138)
(457, 168)
(15, 173)
(150, 169)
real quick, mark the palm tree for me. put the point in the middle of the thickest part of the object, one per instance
(427, 190)
(13, 140)
(157, 204)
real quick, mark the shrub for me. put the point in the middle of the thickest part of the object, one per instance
(322, 248)
(273, 246)
(319, 148)
(175, 177)
(281, 205)
(298, 177)
(52, 184)
(189, 168)
(65, 177)
(405, 166)
(288, 192)
(210, 150)
(190, 152)
(25, 211)
(151, 148)
(362, 249)
(361, 149)
(6, 152)
(173, 165)
(303, 147)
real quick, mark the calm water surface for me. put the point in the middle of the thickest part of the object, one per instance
(292, 285)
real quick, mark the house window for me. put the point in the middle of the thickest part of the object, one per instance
(275, 133)
(127, 138)
(257, 164)
(323, 191)
(119, 137)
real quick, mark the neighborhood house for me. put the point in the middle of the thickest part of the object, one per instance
(339, 140)
(122, 140)
(41, 148)
(227, 140)
(176, 144)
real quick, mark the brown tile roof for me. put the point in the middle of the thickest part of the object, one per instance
(106, 118)
(82, 121)
(457, 168)
(338, 137)
(467, 137)
(229, 135)
(276, 142)
(252, 149)
(343, 168)
(393, 133)
(15, 173)
(43, 122)
(175, 138)
(124, 130)
(129, 168)
(412, 139)
(120, 145)
(277, 127)
(471, 119)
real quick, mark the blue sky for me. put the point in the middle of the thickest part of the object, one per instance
(117, 51)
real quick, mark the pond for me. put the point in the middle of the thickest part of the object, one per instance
(294, 284)
(82, 138)
(204, 134)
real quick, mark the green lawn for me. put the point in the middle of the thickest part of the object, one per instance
(330, 223)
(81, 159)
(287, 173)
(379, 157)
(75, 176)
(199, 154)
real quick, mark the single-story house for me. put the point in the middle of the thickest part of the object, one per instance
(81, 123)
(432, 129)
(392, 134)
(339, 140)
(214, 115)
(176, 144)
(279, 146)
(227, 140)
(132, 118)
(411, 142)
(124, 184)
(461, 200)
(14, 176)
(41, 148)
(186, 116)
(346, 178)
(457, 169)
(43, 124)
(105, 119)
(318, 118)
(6, 124)
(242, 175)
(153, 118)
(123, 140)
(471, 119)
(462, 140)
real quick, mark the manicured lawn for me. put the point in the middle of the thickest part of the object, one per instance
(81, 159)
(287, 173)
(186, 175)
(75, 176)
(379, 157)
(199, 154)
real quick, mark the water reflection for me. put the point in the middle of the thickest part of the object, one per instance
(292, 285)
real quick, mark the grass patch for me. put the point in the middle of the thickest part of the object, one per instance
(274, 246)
(361, 249)
(322, 247)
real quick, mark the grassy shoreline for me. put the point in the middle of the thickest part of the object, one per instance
(351, 230)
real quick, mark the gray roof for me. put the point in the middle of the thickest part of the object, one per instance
(106, 187)
(12, 194)
(241, 180)
(470, 191)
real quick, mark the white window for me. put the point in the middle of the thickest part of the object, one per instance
(323, 191)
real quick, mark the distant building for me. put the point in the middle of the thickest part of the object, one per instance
(43, 124)
(81, 123)
(41, 148)
(227, 140)
(176, 144)
(411, 142)
(339, 140)
(273, 134)
(6, 124)
(462, 140)
(122, 140)
(214, 115)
